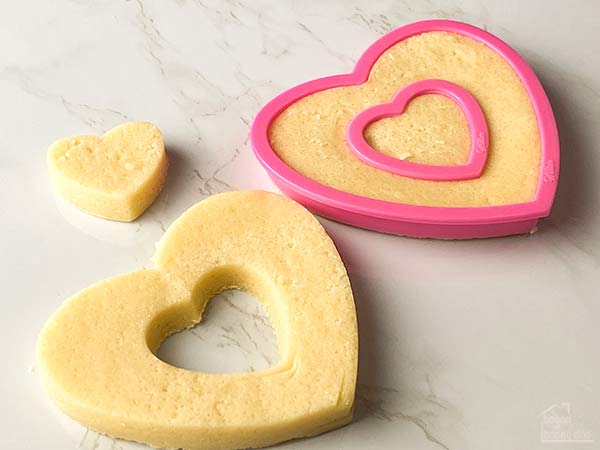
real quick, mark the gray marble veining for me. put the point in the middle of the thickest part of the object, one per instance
(463, 345)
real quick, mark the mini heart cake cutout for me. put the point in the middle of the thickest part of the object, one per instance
(115, 176)
(469, 106)
(97, 353)
(310, 139)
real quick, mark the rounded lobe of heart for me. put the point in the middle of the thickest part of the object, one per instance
(97, 352)
(115, 176)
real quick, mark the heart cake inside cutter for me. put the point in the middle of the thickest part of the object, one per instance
(441, 219)
(473, 114)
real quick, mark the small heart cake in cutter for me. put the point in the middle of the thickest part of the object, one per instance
(97, 352)
(432, 130)
(479, 134)
(115, 176)
(313, 139)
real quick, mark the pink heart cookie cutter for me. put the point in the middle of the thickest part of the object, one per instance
(473, 113)
(407, 219)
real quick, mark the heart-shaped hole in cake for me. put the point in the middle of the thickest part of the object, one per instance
(432, 130)
(235, 336)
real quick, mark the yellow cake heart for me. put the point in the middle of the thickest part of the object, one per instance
(97, 352)
(115, 176)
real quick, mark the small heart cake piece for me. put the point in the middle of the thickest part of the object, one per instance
(97, 352)
(115, 176)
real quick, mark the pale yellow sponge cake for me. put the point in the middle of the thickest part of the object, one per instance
(310, 134)
(97, 352)
(115, 176)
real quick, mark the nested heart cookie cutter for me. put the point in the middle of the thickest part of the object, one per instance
(406, 219)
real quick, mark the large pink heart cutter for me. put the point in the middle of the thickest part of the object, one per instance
(405, 219)
(469, 106)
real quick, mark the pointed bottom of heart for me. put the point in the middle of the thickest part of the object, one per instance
(97, 352)
(274, 438)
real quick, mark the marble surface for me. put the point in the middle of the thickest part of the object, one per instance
(464, 345)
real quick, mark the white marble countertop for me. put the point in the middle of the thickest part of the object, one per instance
(464, 345)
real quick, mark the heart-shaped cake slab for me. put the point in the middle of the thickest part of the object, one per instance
(115, 176)
(97, 352)
(311, 141)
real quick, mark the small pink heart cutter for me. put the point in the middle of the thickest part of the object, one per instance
(473, 113)
(405, 219)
